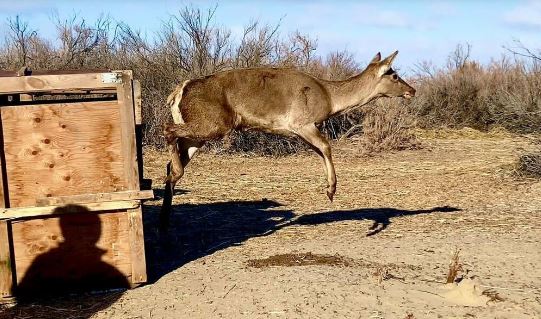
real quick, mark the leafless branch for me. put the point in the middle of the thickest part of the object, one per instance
(20, 36)
(521, 50)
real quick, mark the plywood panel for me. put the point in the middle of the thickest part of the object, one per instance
(74, 252)
(62, 149)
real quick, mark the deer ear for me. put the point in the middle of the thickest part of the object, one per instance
(385, 65)
(389, 60)
(382, 69)
(376, 58)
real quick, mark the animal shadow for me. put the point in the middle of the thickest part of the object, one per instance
(198, 230)
(381, 217)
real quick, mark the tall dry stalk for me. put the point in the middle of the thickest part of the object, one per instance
(454, 267)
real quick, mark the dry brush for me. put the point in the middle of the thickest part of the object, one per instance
(191, 44)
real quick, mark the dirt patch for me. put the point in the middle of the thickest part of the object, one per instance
(466, 293)
(302, 259)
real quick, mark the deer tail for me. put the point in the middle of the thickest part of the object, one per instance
(173, 100)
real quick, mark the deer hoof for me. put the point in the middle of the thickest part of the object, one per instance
(330, 195)
(331, 189)
(173, 179)
(167, 179)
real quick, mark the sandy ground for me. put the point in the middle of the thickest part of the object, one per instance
(255, 237)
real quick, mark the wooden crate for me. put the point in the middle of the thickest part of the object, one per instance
(71, 170)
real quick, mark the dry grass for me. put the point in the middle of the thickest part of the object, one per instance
(455, 266)
(493, 295)
(382, 273)
(529, 165)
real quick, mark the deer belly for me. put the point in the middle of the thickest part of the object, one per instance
(268, 125)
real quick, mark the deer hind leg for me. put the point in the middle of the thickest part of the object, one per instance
(311, 135)
(181, 153)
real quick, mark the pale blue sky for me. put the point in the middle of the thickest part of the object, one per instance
(421, 30)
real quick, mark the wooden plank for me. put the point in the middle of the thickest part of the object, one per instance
(127, 129)
(137, 102)
(54, 72)
(77, 71)
(6, 275)
(71, 250)
(92, 198)
(78, 92)
(62, 149)
(4, 194)
(139, 129)
(39, 83)
(143, 184)
(137, 247)
(23, 212)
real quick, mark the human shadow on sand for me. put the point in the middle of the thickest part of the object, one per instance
(198, 230)
(64, 280)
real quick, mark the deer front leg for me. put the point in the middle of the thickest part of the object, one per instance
(181, 153)
(311, 135)
(175, 169)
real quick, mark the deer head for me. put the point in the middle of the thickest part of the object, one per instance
(388, 83)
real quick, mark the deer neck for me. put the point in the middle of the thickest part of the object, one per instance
(353, 92)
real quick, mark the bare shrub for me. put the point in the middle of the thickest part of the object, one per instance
(190, 44)
(387, 126)
(529, 165)
(466, 94)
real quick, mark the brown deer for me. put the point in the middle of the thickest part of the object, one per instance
(275, 100)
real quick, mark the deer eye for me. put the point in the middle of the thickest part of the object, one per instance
(395, 76)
